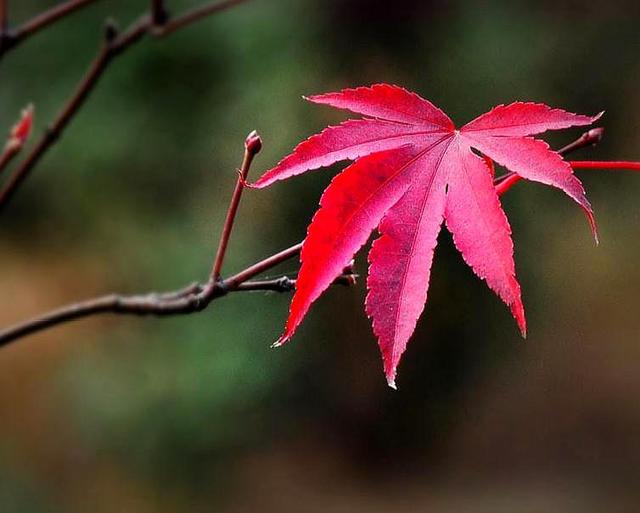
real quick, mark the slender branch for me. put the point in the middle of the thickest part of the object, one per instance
(264, 265)
(590, 138)
(286, 284)
(252, 147)
(55, 130)
(7, 155)
(194, 15)
(605, 164)
(194, 298)
(113, 45)
(10, 39)
(509, 181)
(50, 16)
(150, 304)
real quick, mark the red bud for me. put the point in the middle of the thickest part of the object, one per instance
(253, 143)
(21, 130)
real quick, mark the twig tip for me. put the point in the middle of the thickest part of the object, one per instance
(253, 143)
(595, 135)
(110, 29)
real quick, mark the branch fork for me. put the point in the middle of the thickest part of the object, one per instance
(156, 22)
(196, 296)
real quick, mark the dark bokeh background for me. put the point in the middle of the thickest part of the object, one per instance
(197, 413)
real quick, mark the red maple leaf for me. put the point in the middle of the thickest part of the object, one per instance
(414, 170)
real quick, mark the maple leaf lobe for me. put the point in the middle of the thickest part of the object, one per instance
(390, 102)
(526, 118)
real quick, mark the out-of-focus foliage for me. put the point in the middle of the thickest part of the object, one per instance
(197, 413)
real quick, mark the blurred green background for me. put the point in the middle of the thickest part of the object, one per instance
(197, 413)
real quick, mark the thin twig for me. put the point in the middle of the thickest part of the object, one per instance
(264, 265)
(194, 298)
(252, 147)
(608, 164)
(194, 15)
(508, 181)
(7, 155)
(11, 38)
(113, 45)
(287, 284)
(55, 130)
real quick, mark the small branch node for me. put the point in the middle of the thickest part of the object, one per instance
(221, 287)
(286, 284)
(111, 30)
(159, 15)
(51, 133)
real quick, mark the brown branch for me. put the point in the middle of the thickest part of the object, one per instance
(11, 38)
(263, 265)
(7, 155)
(55, 130)
(113, 45)
(194, 15)
(194, 298)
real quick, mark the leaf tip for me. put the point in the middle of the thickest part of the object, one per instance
(390, 372)
(592, 224)
(517, 310)
(313, 98)
(284, 338)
